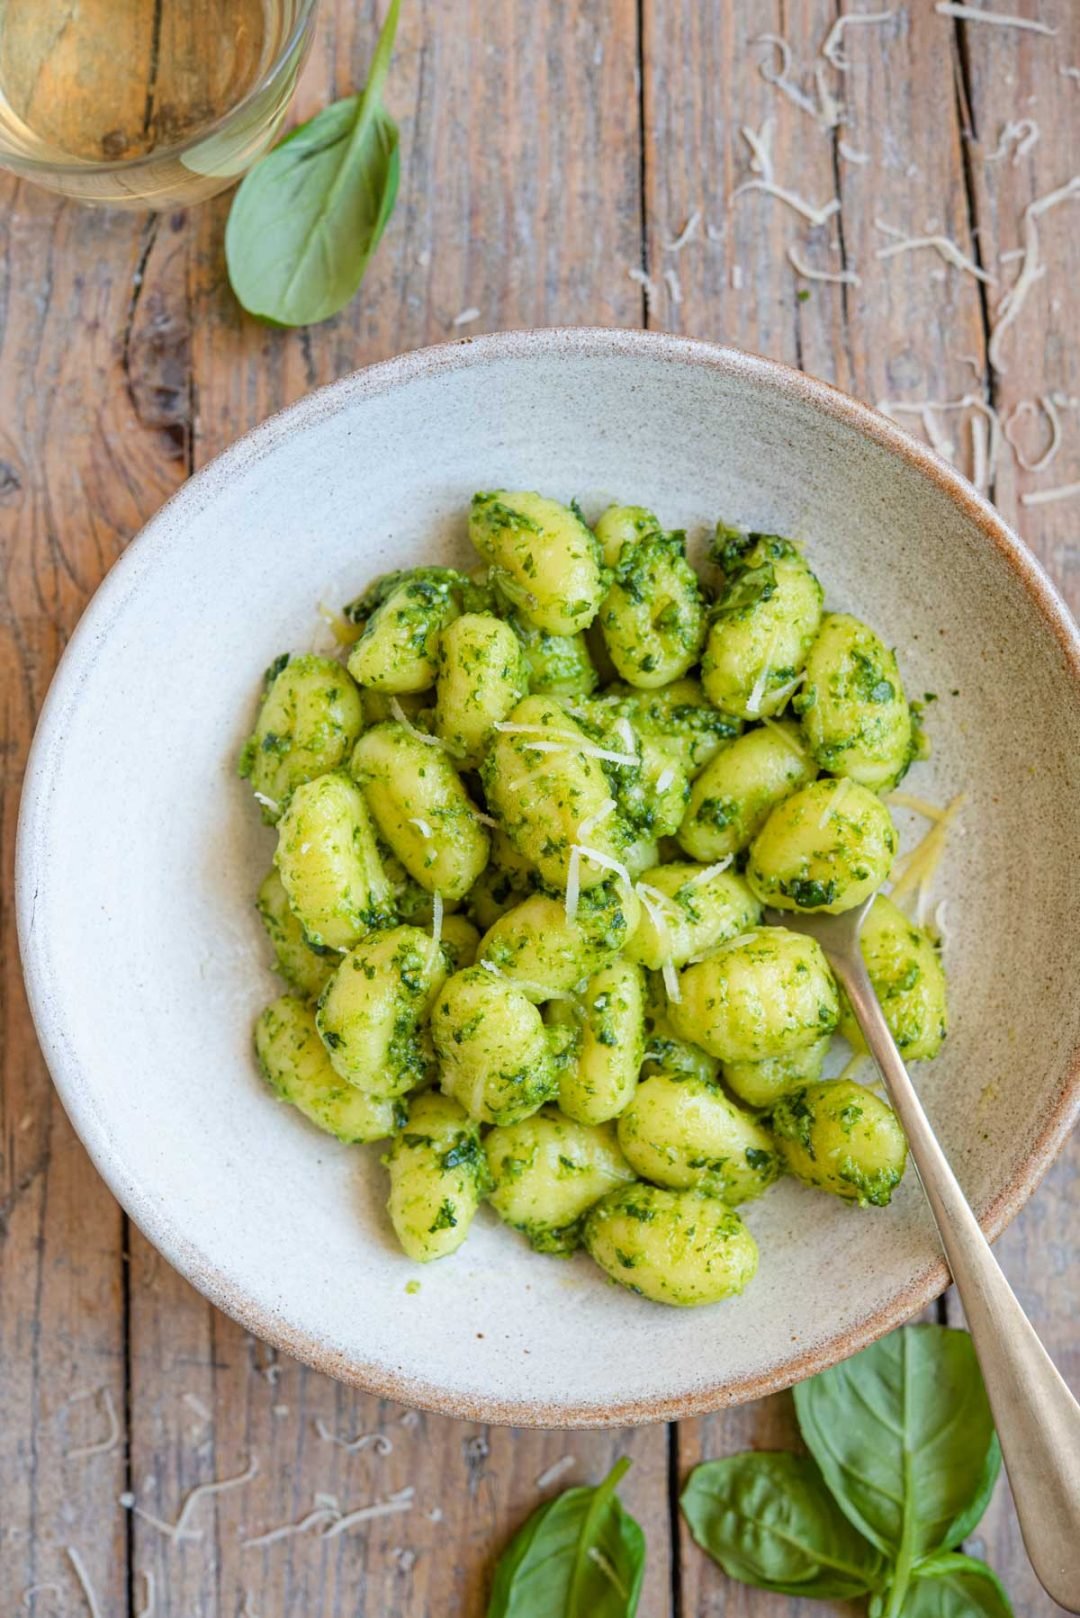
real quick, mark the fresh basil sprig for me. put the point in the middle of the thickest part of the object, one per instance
(902, 1465)
(580, 1555)
(308, 217)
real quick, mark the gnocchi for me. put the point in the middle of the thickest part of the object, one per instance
(527, 831)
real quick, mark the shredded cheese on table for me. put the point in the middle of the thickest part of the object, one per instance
(1018, 136)
(831, 47)
(1031, 270)
(1032, 407)
(147, 1608)
(918, 806)
(555, 1471)
(1046, 497)
(943, 245)
(999, 19)
(104, 1445)
(645, 282)
(686, 234)
(847, 278)
(467, 316)
(79, 1569)
(813, 214)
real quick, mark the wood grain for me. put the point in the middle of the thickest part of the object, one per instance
(549, 150)
(538, 225)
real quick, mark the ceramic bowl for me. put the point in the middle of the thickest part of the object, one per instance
(140, 852)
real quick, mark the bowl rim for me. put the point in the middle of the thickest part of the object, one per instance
(579, 342)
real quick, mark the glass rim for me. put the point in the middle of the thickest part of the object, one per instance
(20, 162)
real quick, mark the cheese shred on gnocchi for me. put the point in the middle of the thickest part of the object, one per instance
(528, 825)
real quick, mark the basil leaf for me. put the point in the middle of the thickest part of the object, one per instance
(580, 1556)
(308, 217)
(905, 1440)
(953, 1586)
(769, 1520)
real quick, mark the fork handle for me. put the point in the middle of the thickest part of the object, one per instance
(1037, 1418)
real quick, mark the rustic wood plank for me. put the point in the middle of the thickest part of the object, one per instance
(911, 330)
(537, 225)
(87, 453)
(1005, 77)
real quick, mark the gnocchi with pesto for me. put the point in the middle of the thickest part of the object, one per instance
(531, 818)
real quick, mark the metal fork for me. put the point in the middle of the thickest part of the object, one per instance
(1037, 1418)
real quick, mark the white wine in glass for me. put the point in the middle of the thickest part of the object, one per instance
(145, 103)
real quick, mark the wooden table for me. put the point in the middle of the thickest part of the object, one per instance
(554, 152)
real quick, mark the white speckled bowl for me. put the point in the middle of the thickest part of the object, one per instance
(139, 853)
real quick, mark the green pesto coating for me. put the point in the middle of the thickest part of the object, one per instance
(538, 949)
(398, 650)
(666, 1051)
(493, 1048)
(854, 712)
(677, 1247)
(329, 864)
(653, 616)
(304, 968)
(623, 525)
(759, 1084)
(841, 1138)
(547, 1172)
(557, 664)
(734, 795)
(421, 809)
(371, 1013)
(687, 910)
(826, 847)
(310, 717)
(599, 1080)
(909, 980)
(438, 1176)
(542, 556)
(481, 678)
(543, 782)
(763, 994)
(682, 1131)
(761, 628)
(295, 1065)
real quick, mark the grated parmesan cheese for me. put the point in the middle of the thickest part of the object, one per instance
(403, 719)
(79, 1569)
(645, 282)
(267, 803)
(943, 245)
(1046, 403)
(665, 779)
(1019, 135)
(147, 1608)
(555, 1471)
(1046, 497)
(808, 273)
(436, 920)
(914, 872)
(831, 48)
(1000, 19)
(791, 199)
(1031, 270)
(103, 1445)
(674, 285)
(528, 985)
(785, 735)
(590, 823)
(652, 899)
(686, 234)
(711, 870)
(918, 806)
(562, 741)
(467, 316)
(197, 1405)
(363, 1440)
(779, 77)
(851, 155)
(485, 820)
(344, 633)
(573, 883)
(422, 826)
